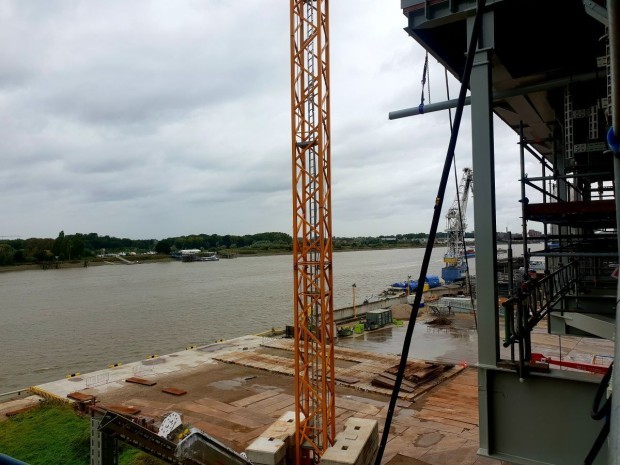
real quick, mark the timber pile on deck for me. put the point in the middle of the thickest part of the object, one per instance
(367, 367)
(416, 373)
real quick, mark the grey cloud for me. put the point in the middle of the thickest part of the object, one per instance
(114, 112)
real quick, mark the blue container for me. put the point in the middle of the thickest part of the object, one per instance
(433, 281)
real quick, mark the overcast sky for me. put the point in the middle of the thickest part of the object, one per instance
(150, 119)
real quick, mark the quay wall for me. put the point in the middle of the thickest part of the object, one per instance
(347, 313)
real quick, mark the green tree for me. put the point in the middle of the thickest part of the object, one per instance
(6, 254)
(164, 246)
(75, 246)
(59, 246)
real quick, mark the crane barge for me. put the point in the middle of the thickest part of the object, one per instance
(455, 268)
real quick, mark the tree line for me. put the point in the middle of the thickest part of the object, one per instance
(67, 247)
(83, 246)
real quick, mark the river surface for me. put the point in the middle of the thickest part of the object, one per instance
(57, 322)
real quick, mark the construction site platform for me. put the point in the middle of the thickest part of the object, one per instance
(233, 390)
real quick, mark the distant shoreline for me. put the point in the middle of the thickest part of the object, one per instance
(141, 261)
(74, 264)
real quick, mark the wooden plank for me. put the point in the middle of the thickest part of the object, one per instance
(472, 420)
(123, 409)
(217, 405)
(80, 397)
(454, 399)
(467, 379)
(456, 395)
(285, 405)
(447, 409)
(360, 407)
(255, 417)
(433, 425)
(271, 400)
(144, 382)
(347, 379)
(174, 391)
(382, 382)
(255, 398)
(12, 413)
(232, 420)
(223, 434)
(462, 389)
(389, 376)
(430, 417)
(197, 408)
(150, 403)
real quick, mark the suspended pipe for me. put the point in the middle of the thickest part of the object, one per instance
(497, 96)
(434, 224)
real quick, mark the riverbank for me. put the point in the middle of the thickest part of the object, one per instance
(143, 259)
(79, 264)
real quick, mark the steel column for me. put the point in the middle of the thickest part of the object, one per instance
(613, 11)
(484, 219)
(524, 202)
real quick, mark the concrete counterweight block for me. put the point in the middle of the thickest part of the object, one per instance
(356, 445)
(275, 446)
(267, 451)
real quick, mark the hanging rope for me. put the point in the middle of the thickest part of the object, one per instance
(424, 75)
(428, 79)
(458, 201)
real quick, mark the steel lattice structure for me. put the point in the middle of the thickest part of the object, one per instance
(456, 220)
(312, 232)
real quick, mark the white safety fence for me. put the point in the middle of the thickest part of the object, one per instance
(142, 369)
(97, 380)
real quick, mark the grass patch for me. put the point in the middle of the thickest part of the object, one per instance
(50, 434)
(54, 435)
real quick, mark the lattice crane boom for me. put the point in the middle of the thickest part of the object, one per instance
(456, 219)
(312, 232)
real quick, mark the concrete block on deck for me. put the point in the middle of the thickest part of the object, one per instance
(266, 451)
(283, 428)
(272, 446)
(356, 445)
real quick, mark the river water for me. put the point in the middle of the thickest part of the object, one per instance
(57, 322)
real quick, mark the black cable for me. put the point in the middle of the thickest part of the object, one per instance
(433, 232)
(598, 414)
(458, 200)
(598, 443)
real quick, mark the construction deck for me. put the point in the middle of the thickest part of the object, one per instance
(234, 390)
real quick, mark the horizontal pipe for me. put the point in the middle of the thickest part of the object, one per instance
(575, 254)
(497, 96)
(554, 177)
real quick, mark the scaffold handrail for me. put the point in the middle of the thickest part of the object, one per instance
(534, 301)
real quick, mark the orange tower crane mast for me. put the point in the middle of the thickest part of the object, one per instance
(315, 409)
